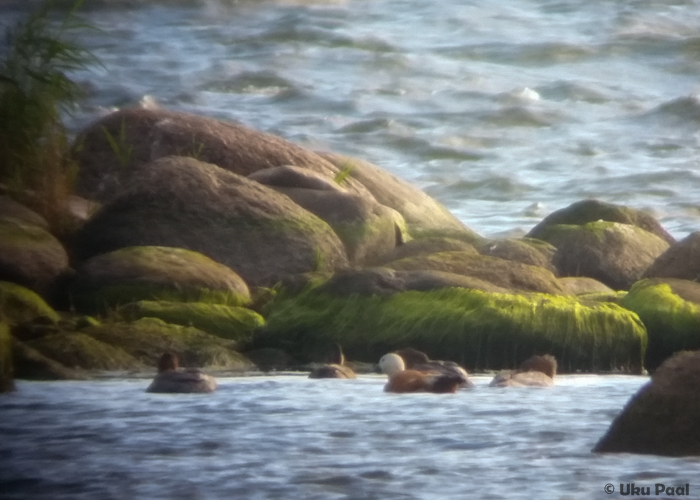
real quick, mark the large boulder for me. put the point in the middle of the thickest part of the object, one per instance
(31, 256)
(681, 260)
(525, 250)
(670, 310)
(118, 145)
(662, 418)
(11, 209)
(425, 246)
(478, 329)
(148, 338)
(366, 228)
(585, 211)
(181, 202)
(582, 285)
(228, 322)
(424, 216)
(153, 272)
(503, 273)
(612, 253)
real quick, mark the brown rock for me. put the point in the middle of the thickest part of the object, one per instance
(681, 260)
(662, 418)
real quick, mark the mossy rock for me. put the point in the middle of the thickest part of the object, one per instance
(525, 250)
(148, 338)
(233, 323)
(152, 273)
(579, 285)
(670, 310)
(80, 351)
(180, 202)
(480, 330)
(367, 229)
(31, 256)
(503, 273)
(585, 211)
(385, 281)
(614, 254)
(30, 364)
(425, 246)
(424, 216)
(6, 370)
(681, 260)
(22, 305)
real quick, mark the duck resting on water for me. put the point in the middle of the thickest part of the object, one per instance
(537, 371)
(171, 379)
(337, 369)
(402, 380)
(417, 360)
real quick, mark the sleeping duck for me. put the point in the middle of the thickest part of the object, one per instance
(417, 360)
(537, 371)
(170, 379)
(334, 370)
(403, 380)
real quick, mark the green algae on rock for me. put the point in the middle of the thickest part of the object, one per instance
(146, 339)
(20, 305)
(585, 211)
(78, 350)
(480, 330)
(233, 323)
(151, 273)
(670, 310)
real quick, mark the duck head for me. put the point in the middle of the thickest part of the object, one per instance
(391, 364)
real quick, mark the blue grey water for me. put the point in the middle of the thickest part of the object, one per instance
(289, 437)
(504, 111)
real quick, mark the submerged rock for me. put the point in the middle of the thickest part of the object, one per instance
(180, 202)
(662, 418)
(670, 310)
(155, 272)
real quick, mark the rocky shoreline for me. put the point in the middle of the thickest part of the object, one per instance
(242, 251)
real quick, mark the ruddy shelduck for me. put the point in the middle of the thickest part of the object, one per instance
(171, 379)
(402, 380)
(537, 371)
(417, 360)
(334, 370)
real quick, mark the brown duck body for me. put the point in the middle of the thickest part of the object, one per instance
(418, 360)
(171, 379)
(337, 369)
(537, 371)
(404, 381)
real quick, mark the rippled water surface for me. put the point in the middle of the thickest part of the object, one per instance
(289, 437)
(504, 111)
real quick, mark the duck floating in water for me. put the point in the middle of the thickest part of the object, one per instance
(537, 371)
(170, 379)
(334, 370)
(403, 380)
(417, 360)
